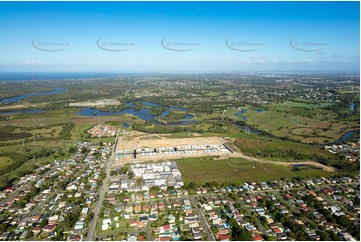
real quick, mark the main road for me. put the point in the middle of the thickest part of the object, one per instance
(98, 206)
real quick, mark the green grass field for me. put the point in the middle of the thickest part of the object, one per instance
(307, 123)
(257, 145)
(122, 226)
(4, 161)
(202, 170)
(304, 122)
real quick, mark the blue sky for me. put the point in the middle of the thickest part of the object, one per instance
(179, 36)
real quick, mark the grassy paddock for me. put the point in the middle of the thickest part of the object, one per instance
(4, 161)
(122, 226)
(300, 121)
(202, 170)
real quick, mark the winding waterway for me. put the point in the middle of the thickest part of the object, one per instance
(21, 97)
(143, 113)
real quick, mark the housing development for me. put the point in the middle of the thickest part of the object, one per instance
(180, 121)
(153, 171)
(148, 201)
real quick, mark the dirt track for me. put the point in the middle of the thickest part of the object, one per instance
(311, 163)
(136, 139)
(235, 154)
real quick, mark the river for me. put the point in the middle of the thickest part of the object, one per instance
(21, 97)
(143, 113)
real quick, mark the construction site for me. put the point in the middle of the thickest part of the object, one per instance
(136, 147)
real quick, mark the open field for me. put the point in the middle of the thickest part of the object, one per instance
(307, 120)
(308, 123)
(137, 140)
(97, 103)
(282, 150)
(17, 106)
(43, 124)
(123, 225)
(48, 131)
(4, 161)
(238, 170)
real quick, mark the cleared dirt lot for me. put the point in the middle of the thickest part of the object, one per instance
(95, 103)
(136, 140)
(140, 140)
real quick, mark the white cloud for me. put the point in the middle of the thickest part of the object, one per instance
(299, 61)
(305, 61)
(31, 62)
(257, 57)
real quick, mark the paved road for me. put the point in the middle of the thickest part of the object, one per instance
(23, 188)
(203, 220)
(127, 92)
(295, 208)
(98, 206)
(149, 234)
(249, 213)
(129, 232)
(182, 197)
(54, 192)
(337, 203)
(258, 224)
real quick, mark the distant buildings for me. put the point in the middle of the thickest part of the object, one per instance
(101, 130)
(351, 151)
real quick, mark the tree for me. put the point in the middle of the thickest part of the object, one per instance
(192, 185)
(214, 229)
(130, 174)
(344, 221)
(271, 238)
(43, 223)
(323, 234)
(300, 235)
(59, 233)
(246, 236)
(154, 189)
(3, 227)
(263, 220)
(71, 150)
(334, 237)
(270, 205)
(240, 234)
(139, 182)
(234, 196)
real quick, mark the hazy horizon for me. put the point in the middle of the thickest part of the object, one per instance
(179, 36)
